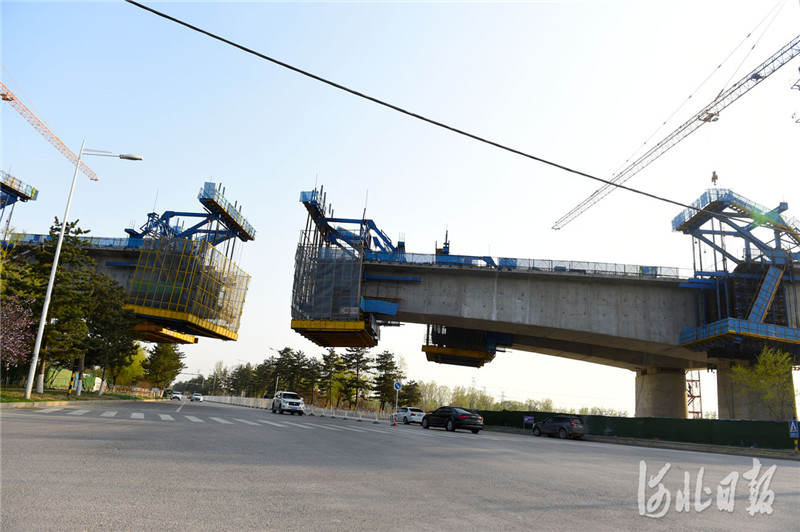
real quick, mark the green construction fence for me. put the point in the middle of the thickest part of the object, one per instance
(736, 433)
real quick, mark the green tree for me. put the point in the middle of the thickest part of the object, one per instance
(332, 373)
(163, 365)
(311, 374)
(410, 394)
(242, 380)
(131, 371)
(769, 382)
(387, 372)
(357, 364)
(289, 366)
(26, 273)
(433, 395)
(110, 341)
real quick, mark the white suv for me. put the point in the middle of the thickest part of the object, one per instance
(288, 402)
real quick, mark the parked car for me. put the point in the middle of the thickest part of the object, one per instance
(563, 426)
(452, 418)
(176, 395)
(288, 402)
(196, 397)
(410, 414)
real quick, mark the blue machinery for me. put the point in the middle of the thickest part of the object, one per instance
(738, 311)
(741, 299)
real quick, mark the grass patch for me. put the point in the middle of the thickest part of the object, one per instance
(18, 396)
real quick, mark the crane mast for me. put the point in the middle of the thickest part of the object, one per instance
(41, 127)
(709, 113)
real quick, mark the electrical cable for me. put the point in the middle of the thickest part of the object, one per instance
(413, 114)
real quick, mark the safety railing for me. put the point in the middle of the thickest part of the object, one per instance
(266, 404)
(128, 243)
(509, 264)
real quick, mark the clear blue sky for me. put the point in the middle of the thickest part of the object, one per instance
(582, 83)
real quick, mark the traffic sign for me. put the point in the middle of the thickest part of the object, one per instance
(398, 385)
(793, 432)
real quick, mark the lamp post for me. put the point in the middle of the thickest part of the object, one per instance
(38, 344)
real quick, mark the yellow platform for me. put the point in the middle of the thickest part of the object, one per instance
(151, 332)
(188, 324)
(456, 356)
(331, 333)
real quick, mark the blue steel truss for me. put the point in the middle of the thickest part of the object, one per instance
(355, 235)
(221, 221)
(741, 309)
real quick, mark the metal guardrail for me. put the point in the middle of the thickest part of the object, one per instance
(510, 264)
(125, 242)
(266, 404)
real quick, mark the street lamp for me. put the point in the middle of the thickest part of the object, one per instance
(37, 346)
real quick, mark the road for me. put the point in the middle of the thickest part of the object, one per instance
(205, 466)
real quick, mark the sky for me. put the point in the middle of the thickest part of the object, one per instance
(582, 84)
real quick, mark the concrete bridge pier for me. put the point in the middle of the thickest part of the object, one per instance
(735, 401)
(661, 392)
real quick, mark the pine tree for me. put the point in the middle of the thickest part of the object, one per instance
(163, 365)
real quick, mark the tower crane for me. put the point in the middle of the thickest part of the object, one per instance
(709, 113)
(41, 127)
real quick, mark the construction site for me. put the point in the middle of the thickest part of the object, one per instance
(351, 279)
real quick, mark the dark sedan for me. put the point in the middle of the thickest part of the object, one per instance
(452, 418)
(563, 426)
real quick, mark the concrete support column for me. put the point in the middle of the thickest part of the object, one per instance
(661, 392)
(737, 402)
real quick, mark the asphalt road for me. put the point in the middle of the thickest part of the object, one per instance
(205, 466)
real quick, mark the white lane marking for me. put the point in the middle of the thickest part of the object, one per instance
(77, 412)
(327, 427)
(271, 423)
(194, 419)
(243, 421)
(166, 417)
(220, 420)
(354, 430)
(298, 425)
(375, 430)
(179, 408)
(109, 413)
(137, 415)
(51, 409)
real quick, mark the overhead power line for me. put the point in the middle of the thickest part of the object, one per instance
(406, 111)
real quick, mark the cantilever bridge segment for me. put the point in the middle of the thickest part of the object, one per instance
(182, 283)
(350, 280)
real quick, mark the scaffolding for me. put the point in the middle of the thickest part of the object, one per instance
(694, 401)
(188, 286)
(327, 307)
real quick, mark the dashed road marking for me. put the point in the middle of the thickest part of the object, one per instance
(243, 421)
(327, 427)
(375, 430)
(349, 428)
(194, 419)
(298, 425)
(271, 423)
(77, 412)
(51, 409)
(220, 420)
(166, 417)
(109, 413)
(137, 415)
